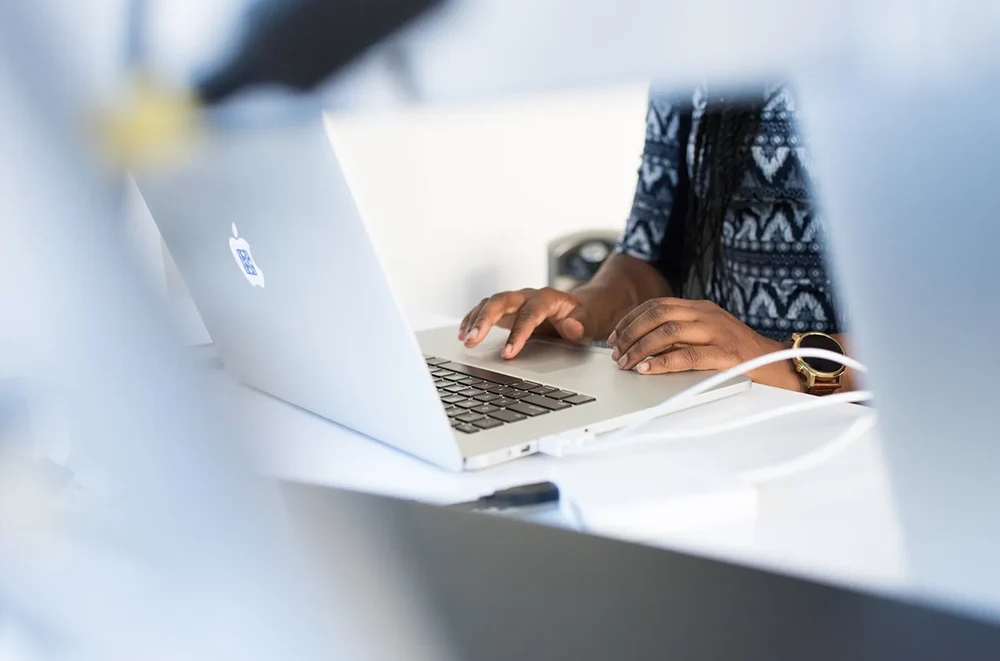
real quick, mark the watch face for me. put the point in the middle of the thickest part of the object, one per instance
(821, 342)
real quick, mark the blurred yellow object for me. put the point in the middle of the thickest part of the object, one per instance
(154, 125)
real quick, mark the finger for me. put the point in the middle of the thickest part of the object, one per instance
(466, 325)
(531, 315)
(666, 337)
(572, 329)
(490, 313)
(575, 327)
(687, 359)
(642, 309)
(652, 315)
(628, 318)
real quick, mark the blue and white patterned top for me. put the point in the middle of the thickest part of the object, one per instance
(772, 237)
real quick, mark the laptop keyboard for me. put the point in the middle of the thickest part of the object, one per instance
(476, 399)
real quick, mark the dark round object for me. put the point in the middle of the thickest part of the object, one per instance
(822, 365)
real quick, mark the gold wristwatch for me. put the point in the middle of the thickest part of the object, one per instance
(822, 376)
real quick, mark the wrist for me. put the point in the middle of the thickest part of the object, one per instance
(779, 375)
(605, 306)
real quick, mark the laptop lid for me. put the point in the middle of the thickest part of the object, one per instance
(263, 228)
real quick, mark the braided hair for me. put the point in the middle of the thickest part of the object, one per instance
(721, 158)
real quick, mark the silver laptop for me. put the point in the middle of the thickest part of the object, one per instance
(265, 232)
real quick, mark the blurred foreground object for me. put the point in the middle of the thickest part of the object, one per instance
(299, 44)
(153, 124)
(187, 553)
(290, 45)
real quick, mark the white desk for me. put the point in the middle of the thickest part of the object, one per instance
(835, 522)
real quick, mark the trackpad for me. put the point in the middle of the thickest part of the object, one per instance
(538, 356)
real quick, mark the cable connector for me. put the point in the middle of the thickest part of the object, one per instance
(525, 495)
(563, 444)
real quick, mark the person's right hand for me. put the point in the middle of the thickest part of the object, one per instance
(526, 312)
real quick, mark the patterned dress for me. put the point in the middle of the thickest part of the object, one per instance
(772, 237)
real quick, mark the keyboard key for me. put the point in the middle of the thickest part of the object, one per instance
(466, 429)
(454, 411)
(496, 390)
(576, 400)
(470, 392)
(441, 383)
(525, 385)
(503, 402)
(561, 394)
(481, 385)
(469, 380)
(545, 402)
(487, 397)
(485, 375)
(468, 417)
(431, 360)
(507, 416)
(452, 399)
(543, 390)
(484, 409)
(440, 373)
(455, 377)
(487, 423)
(455, 387)
(514, 394)
(468, 403)
(527, 409)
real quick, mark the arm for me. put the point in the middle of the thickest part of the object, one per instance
(622, 283)
(650, 245)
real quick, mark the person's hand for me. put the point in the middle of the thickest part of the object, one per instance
(675, 335)
(526, 312)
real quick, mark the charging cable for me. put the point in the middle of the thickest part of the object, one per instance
(558, 446)
(521, 496)
(581, 445)
(815, 458)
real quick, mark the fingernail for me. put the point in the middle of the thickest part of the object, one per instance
(473, 334)
(615, 354)
(622, 361)
(642, 368)
(612, 337)
(508, 350)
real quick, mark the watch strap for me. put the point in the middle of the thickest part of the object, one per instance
(824, 387)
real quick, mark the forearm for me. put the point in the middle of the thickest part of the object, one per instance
(620, 285)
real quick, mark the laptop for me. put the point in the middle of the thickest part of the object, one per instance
(265, 232)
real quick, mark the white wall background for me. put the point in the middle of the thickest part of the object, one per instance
(462, 203)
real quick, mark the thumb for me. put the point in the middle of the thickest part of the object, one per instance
(575, 327)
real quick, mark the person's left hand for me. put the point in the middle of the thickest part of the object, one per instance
(674, 335)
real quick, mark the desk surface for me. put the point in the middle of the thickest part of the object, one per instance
(834, 523)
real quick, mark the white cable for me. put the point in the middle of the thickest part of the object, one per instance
(815, 458)
(811, 404)
(721, 378)
(559, 445)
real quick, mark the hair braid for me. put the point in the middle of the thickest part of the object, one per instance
(721, 157)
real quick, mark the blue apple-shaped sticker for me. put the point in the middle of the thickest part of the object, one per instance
(244, 258)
